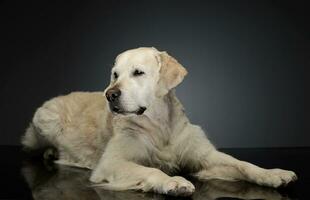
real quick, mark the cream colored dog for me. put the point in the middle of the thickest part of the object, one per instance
(135, 134)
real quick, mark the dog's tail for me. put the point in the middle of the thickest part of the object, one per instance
(37, 145)
(32, 140)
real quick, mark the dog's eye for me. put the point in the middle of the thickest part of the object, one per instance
(115, 75)
(138, 72)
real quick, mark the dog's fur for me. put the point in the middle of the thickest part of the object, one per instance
(140, 152)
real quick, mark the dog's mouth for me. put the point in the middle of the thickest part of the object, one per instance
(117, 109)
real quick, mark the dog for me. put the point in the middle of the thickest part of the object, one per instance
(135, 135)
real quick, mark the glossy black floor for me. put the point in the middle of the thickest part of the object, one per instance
(24, 178)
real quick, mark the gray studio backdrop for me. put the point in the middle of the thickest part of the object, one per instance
(246, 60)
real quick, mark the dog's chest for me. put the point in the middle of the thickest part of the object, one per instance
(159, 151)
(155, 140)
(165, 159)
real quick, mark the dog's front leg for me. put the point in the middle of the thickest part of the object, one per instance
(118, 169)
(124, 175)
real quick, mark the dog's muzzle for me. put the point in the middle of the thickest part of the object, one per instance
(112, 96)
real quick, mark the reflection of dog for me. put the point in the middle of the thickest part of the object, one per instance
(144, 137)
(71, 183)
(49, 183)
(217, 189)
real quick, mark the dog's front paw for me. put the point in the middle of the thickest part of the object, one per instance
(276, 177)
(178, 186)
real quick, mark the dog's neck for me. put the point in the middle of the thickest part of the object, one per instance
(158, 111)
(167, 111)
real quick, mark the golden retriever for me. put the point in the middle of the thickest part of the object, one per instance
(135, 135)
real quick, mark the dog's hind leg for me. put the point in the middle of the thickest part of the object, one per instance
(226, 173)
(197, 151)
(223, 166)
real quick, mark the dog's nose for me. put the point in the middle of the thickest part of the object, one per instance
(113, 94)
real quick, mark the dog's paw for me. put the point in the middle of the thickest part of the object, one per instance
(276, 178)
(178, 186)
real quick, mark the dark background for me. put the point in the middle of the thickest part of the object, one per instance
(247, 60)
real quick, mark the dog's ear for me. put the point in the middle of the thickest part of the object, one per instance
(171, 72)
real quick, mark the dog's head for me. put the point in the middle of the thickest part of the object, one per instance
(139, 76)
